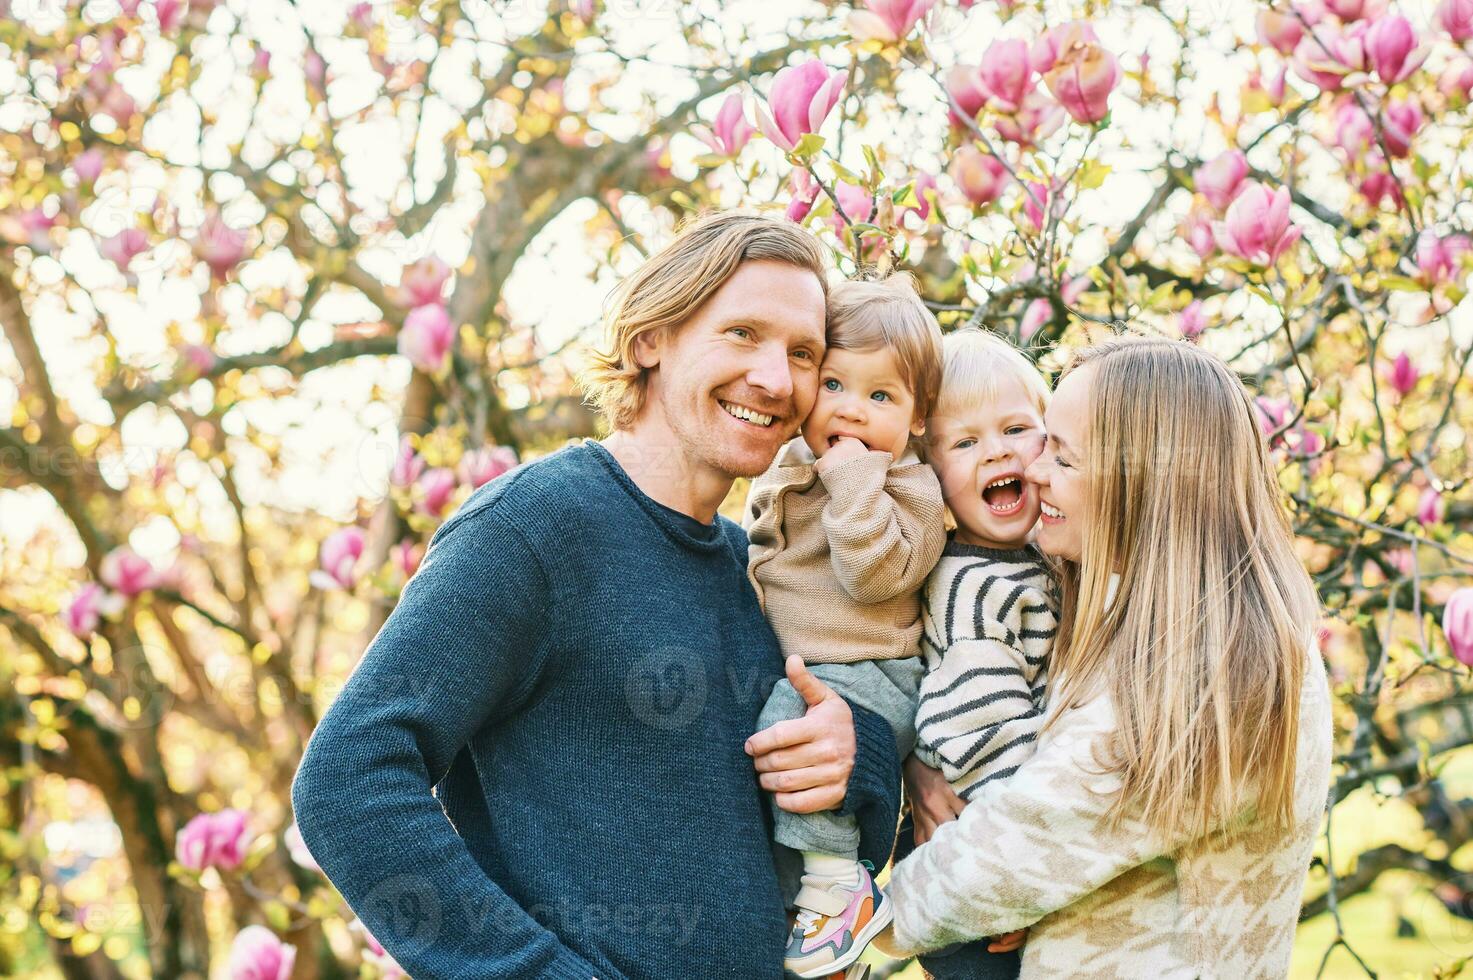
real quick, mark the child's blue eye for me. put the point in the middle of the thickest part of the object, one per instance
(832, 384)
(880, 396)
(964, 444)
(1015, 429)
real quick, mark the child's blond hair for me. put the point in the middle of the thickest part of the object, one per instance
(975, 360)
(889, 314)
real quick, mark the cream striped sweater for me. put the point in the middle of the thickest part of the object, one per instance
(988, 625)
(1115, 901)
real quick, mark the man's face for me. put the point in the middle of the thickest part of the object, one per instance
(738, 377)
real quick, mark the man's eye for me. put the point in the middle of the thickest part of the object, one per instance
(743, 332)
(807, 355)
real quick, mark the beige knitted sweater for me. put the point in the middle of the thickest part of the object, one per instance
(1035, 850)
(838, 560)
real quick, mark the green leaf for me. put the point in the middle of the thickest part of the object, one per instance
(906, 197)
(1094, 175)
(874, 166)
(1160, 297)
(807, 147)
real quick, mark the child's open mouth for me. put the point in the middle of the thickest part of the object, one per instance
(1004, 496)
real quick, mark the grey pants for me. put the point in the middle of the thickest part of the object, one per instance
(889, 688)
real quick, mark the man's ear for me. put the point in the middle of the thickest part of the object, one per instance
(647, 348)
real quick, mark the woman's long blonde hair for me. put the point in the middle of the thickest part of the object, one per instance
(1203, 650)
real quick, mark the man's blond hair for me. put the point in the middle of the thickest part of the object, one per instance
(672, 284)
(889, 314)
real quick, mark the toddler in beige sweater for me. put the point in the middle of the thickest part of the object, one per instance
(844, 528)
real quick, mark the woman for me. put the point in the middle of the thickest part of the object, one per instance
(1164, 826)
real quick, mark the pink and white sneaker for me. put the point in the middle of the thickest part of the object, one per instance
(835, 922)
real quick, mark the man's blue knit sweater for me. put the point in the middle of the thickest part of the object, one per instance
(575, 668)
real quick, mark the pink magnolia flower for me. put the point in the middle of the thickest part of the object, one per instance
(1279, 31)
(1035, 201)
(360, 15)
(1257, 227)
(888, 20)
(375, 953)
(297, 848)
(338, 558)
(1037, 313)
(968, 94)
(730, 132)
(1440, 259)
(1220, 178)
(1455, 17)
(1431, 508)
(1039, 117)
(256, 954)
(1402, 375)
(426, 337)
(1350, 10)
(199, 358)
(88, 606)
(314, 69)
(1354, 131)
(1401, 560)
(1192, 320)
(480, 466)
(800, 100)
(1270, 85)
(127, 572)
(408, 465)
(1457, 624)
(805, 192)
(436, 487)
(1052, 44)
(1326, 58)
(219, 246)
(88, 165)
(1378, 183)
(170, 13)
(1006, 74)
(1197, 230)
(1273, 415)
(1391, 48)
(261, 64)
(1401, 120)
(118, 104)
(979, 175)
(1456, 83)
(1082, 79)
(404, 558)
(122, 248)
(215, 840)
(422, 283)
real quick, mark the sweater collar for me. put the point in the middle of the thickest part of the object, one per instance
(797, 453)
(961, 549)
(683, 529)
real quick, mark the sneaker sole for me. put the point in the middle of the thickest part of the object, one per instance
(877, 922)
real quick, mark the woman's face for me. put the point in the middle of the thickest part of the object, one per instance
(1059, 470)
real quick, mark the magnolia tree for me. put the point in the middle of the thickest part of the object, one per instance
(259, 285)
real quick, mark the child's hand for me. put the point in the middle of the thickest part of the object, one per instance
(1007, 942)
(845, 449)
(932, 800)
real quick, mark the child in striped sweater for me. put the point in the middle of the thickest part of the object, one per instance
(989, 610)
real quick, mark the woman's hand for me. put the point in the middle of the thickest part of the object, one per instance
(932, 800)
(805, 762)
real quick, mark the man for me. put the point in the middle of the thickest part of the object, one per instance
(579, 664)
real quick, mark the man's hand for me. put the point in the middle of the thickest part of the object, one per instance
(932, 800)
(845, 449)
(805, 762)
(1007, 942)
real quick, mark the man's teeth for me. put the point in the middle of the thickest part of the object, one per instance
(746, 414)
(1051, 511)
